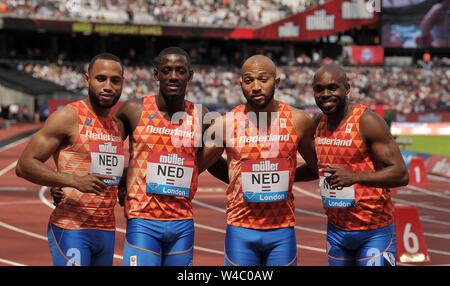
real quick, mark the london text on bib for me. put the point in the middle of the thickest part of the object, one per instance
(265, 180)
(342, 197)
(107, 159)
(169, 174)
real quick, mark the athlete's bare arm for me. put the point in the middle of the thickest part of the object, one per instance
(129, 114)
(219, 168)
(213, 146)
(58, 131)
(390, 167)
(304, 126)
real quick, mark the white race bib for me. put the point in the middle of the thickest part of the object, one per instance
(169, 174)
(265, 180)
(107, 159)
(343, 197)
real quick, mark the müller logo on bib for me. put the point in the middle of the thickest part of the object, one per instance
(107, 158)
(169, 174)
(265, 180)
(340, 197)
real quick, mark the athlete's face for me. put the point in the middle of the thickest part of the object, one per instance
(173, 74)
(330, 91)
(105, 82)
(258, 82)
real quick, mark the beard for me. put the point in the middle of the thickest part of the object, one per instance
(95, 100)
(258, 105)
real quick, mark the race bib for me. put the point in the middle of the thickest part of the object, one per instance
(265, 180)
(107, 159)
(169, 174)
(342, 197)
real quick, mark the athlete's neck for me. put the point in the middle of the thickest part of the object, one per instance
(99, 111)
(171, 106)
(268, 109)
(336, 118)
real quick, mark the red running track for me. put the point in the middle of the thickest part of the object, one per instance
(24, 213)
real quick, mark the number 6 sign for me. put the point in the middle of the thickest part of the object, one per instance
(411, 246)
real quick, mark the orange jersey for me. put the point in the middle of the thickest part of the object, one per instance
(262, 169)
(162, 173)
(98, 149)
(356, 207)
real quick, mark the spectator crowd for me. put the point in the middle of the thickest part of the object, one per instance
(194, 12)
(403, 89)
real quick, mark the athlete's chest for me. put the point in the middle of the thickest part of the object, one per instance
(344, 144)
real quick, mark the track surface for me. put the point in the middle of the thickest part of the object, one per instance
(25, 209)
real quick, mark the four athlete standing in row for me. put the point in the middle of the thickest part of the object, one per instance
(357, 161)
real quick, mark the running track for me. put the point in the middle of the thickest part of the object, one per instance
(25, 209)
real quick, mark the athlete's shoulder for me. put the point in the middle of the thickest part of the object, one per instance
(372, 125)
(66, 114)
(62, 121)
(368, 116)
(317, 119)
(130, 105)
(300, 116)
(238, 108)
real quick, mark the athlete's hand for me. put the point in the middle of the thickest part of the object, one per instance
(121, 194)
(91, 183)
(57, 195)
(340, 177)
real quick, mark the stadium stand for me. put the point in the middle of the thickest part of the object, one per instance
(187, 12)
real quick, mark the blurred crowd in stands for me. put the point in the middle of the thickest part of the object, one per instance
(404, 89)
(194, 12)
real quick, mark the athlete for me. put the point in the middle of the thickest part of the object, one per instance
(165, 136)
(87, 146)
(358, 162)
(261, 138)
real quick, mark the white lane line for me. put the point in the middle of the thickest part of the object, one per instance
(311, 229)
(443, 236)
(439, 178)
(209, 250)
(208, 206)
(205, 205)
(421, 205)
(41, 192)
(8, 168)
(22, 231)
(14, 144)
(312, 248)
(305, 192)
(13, 189)
(35, 235)
(43, 199)
(203, 226)
(439, 252)
(9, 262)
(428, 192)
(310, 213)
(20, 203)
(436, 221)
(204, 249)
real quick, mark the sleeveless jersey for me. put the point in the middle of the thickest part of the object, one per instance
(98, 149)
(356, 207)
(162, 173)
(262, 168)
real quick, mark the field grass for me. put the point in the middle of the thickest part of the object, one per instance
(436, 145)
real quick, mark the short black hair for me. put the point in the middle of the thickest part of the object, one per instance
(104, 56)
(172, 51)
